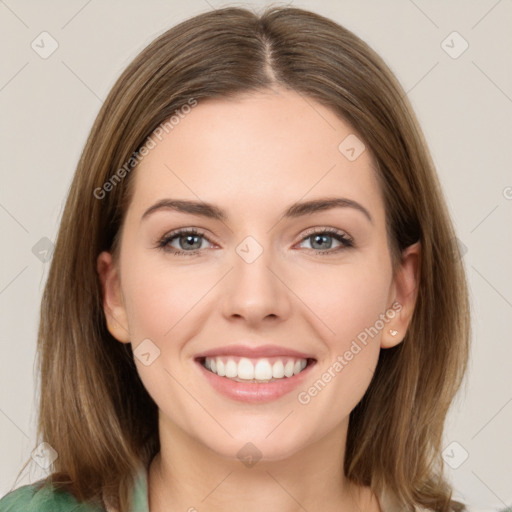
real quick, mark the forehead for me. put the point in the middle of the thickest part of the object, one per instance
(256, 150)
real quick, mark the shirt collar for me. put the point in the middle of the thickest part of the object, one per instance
(140, 501)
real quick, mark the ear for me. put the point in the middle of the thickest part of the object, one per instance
(113, 303)
(403, 295)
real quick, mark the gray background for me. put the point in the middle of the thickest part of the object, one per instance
(464, 105)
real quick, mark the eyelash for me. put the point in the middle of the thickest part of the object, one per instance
(332, 232)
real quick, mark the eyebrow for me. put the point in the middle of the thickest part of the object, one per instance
(298, 209)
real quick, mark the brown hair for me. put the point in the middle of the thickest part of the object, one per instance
(94, 410)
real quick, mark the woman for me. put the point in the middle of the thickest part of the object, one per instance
(254, 297)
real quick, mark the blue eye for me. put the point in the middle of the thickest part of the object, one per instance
(323, 239)
(192, 239)
(187, 238)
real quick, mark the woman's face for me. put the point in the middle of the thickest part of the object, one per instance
(262, 273)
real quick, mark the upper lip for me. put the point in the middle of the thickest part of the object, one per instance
(254, 352)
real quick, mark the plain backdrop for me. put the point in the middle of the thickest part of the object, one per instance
(460, 85)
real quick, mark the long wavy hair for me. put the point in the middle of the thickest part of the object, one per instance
(94, 410)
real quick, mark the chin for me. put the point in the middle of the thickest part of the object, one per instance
(253, 446)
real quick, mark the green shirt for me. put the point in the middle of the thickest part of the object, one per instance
(30, 499)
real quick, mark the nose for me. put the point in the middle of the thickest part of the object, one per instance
(256, 291)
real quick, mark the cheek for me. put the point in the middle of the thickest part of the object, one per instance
(347, 299)
(351, 306)
(158, 298)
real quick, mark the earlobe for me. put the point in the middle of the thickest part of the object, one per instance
(113, 304)
(391, 338)
(404, 293)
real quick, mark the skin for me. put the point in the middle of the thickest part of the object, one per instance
(254, 156)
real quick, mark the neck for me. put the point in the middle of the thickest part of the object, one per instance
(187, 475)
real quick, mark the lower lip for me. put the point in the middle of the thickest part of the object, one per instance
(255, 392)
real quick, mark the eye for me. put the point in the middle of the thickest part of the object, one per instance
(186, 239)
(321, 240)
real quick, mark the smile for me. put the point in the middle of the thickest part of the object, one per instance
(243, 369)
(254, 380)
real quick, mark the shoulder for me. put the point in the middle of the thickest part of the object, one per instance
(39, 498)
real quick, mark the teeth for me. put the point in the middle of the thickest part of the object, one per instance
(245, 369)
(278, 370)
(288, 368)
(263, 369)
(231, 369)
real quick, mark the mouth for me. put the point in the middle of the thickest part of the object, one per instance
(254, 380)
(255, 370)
